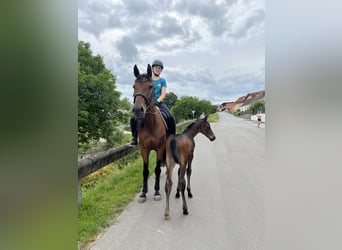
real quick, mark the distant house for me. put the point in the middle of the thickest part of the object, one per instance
(239, 102)
(252, 98)
(227, 106)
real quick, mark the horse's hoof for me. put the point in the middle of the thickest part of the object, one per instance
(142, 198)
(185, 211)
(157, 197)
(190, 195)
(177, 195)
(167, 216)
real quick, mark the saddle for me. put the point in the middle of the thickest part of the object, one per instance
(166, 120)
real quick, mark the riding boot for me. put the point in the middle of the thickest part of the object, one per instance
(172, 126)
(134, 140)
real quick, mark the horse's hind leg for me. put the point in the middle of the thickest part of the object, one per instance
(188, 175)
(177, 191)
(181, 186)
(168, 187)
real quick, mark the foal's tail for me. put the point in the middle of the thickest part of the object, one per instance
(173, 146)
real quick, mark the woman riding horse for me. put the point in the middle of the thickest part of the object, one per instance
(150, 128)
(159, 86)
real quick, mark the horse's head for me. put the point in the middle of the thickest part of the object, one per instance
(206, 129)
(143, 92)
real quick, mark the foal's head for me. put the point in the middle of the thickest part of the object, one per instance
(143, 92)
(206, 129)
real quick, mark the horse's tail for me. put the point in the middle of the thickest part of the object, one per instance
(173, 146)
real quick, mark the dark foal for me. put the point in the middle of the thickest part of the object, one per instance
(180, 149)
(151, 129)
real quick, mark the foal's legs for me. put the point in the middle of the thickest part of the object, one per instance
(181, 186)
(188, 174)
(177, 191)
(168, 187)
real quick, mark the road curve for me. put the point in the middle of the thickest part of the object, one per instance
(227, 210)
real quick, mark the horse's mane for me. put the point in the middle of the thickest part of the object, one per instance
(189, 127)
(144, 78)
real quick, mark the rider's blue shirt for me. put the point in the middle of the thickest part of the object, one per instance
(158, 85)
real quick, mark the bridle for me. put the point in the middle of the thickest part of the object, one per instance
(146, 99)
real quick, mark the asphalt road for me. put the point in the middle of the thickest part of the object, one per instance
(227, 210)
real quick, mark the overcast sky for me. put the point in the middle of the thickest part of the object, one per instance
(213, 50)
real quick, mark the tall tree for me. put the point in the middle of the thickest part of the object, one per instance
(257, 106)
(184, 107)
(98, 100)
(170, 99)
(189, 107)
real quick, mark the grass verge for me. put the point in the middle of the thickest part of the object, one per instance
(107, 197)
(213, 117)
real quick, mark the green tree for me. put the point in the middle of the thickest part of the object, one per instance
(98, 100)
(206, 107)
(125, 104)
(184, 107)
(170, 99)
(182, 110)
(257, 106)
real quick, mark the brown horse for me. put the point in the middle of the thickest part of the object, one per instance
(151, 129)
(180, 149)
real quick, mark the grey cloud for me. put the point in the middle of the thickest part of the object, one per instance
(97, 16)
(256, 18)
(213, 14)
(219, 23)
(193, 77)
(205, 10)
(136, 8)
(146, 33)
(240, 29)
(149, 32)
(242, 83)
(128, 50)
(170, 26)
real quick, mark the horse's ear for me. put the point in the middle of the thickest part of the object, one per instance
(149, 71)
(136, 71)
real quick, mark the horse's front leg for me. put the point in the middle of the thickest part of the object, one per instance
(142, 196)
(157, 171)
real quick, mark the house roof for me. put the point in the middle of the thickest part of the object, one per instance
(253, 97)
(229, 105)
(240, 99)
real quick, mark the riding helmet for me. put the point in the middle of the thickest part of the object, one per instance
(158, 63)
